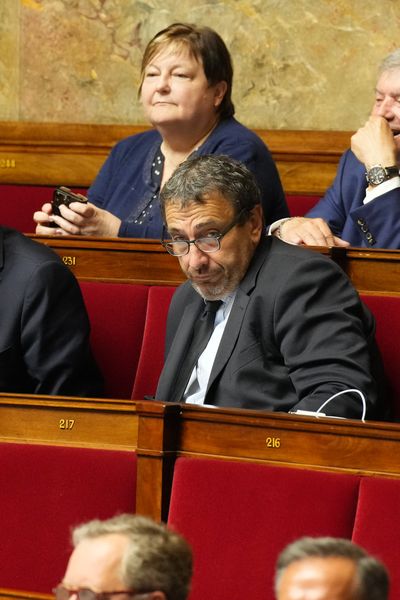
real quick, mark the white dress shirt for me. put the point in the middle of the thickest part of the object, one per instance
(197, 384)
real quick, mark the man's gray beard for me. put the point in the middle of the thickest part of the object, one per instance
(213, 293)
(217, 292)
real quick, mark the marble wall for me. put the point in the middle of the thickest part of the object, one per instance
(299, 64)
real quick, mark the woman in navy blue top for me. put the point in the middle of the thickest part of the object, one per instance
(186, 90)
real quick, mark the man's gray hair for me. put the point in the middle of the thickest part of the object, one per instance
(391, 61)
(157, 559)
(372, 579)
(199, 176)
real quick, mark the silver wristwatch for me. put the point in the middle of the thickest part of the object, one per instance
(378, 174)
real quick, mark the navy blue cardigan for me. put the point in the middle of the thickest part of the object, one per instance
(124, 185)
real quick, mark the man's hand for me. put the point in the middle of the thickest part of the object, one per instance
(312, 232)
(78, 219)
(374, 144)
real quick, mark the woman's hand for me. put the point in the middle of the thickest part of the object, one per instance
(77, 219)
(42, 218)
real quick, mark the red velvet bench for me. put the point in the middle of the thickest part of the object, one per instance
(46, 490)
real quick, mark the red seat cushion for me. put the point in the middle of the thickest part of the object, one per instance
(386, 310)
(239, 516)
(117, 314)
(152, 353)
(377, 524)
(44, 491)
(299, 204)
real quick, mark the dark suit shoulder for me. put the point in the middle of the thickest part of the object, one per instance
(28, 265)
(280, 259)
(17, 244)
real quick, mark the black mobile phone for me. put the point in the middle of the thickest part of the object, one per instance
(63, 195)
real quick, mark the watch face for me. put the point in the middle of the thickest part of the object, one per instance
(376, 175)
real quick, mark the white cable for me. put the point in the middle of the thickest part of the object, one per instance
(364, 403)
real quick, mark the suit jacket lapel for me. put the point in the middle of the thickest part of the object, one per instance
(235, 319)
(178, 348)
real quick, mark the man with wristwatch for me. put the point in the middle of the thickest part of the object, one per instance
(362, 207)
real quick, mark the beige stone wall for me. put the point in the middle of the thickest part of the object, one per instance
(299, 64)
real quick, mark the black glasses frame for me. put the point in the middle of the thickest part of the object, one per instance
(168, 244)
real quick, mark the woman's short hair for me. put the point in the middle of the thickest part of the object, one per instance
(206, 46)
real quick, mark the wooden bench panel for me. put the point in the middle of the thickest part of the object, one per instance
(139, 261)
(72, 154)
(373, 270)
(322, 443)
(87, 423)
(23, 595)
(146, 262)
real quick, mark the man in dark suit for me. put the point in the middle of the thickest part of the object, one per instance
(44, 328)
(362, 207)
(291, 331)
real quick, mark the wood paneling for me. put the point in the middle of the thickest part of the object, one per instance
(146, 262)
(298, 441)
(138, 261)
(69, 154)
(66, 421)
(23, 595)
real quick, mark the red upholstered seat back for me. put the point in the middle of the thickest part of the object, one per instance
(239, 516)
(117, 314)
(386, 310)
(299, 205)
(19, 202)
(152, 353)
(44, 491)
(377, 524)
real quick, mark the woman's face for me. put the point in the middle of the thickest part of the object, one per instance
(175, 91)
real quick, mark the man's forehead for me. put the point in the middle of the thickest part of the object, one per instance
(389, 82)
(96, 562)
(214, 208)
(322, 578)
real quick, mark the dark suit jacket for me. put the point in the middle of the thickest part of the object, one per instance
(375, 224)
(44, 328)
(297, 333)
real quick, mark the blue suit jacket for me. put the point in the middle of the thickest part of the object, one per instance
(373, 225)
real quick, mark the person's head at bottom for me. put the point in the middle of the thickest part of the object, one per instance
(329, 569)
(126, 557)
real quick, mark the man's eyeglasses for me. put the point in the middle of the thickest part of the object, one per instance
(208, 244)
(63, 593)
